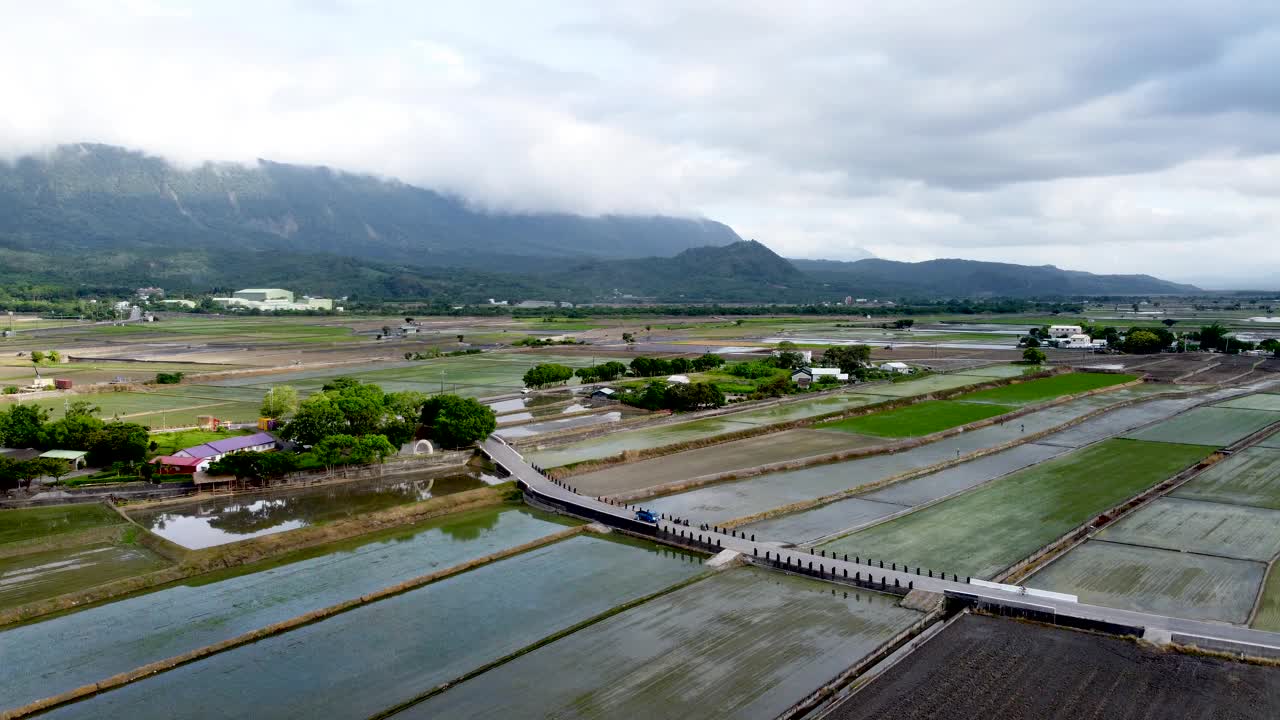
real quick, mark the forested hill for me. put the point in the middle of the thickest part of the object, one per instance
(971, 278)
(106, 199)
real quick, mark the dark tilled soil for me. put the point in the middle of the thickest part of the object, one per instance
(984, 668)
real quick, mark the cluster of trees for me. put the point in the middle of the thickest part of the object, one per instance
(849, 358)
(168, 378)
(106, 443)
(433, 353)
(545, 342)
(655, 367)
(544, 374)
(346, 406)
(455, 422)
(678, 397)
(604, 372)
(20, 473)
(40, 357)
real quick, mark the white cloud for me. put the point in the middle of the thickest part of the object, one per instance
(1138, 137)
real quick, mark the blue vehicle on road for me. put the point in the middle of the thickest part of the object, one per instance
(646, 516)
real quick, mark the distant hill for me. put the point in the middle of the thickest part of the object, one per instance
(745, 271)
(106, 199)
(98, 216)
(971, 278)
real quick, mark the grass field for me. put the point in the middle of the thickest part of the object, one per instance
(1249, 477)
(31, 523)
(1208, 426)
(1268, 617)
(986, 530)
(169, 443)
(1034, 391)
(919, 419)
(1208, 528)
(1165, 582)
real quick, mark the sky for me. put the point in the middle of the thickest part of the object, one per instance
(1135, 136)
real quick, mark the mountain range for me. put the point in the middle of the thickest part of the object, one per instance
(103, 216)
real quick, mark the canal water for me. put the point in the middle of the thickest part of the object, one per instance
(68, 651)
(221, 520)
(360, 662)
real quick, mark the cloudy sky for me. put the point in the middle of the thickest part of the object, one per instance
(1134, 136)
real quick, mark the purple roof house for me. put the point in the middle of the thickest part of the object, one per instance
(218, 448)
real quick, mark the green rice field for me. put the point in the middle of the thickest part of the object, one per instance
(745, 643)
(984, 531)
(920, 419)
(1165, 582)
(1268, 615)
(37, 522)
(1207, 528)
(1034, 391)
(1249, 477)
(37, 576)
(1214, 426)
(925, 385)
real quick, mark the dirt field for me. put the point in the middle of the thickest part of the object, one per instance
(984, 668)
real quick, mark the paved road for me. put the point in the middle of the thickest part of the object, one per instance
(763, 552)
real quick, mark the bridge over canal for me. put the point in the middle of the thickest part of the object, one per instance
(881, 575)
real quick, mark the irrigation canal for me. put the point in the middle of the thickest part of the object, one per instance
(864, 573)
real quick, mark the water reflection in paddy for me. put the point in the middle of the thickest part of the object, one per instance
(221, 520)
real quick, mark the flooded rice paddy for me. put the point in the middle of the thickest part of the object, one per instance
(726, 501)
(746, 643)
(376, 656)
(569, 423)
(68, 651)
(37, 576)
(221, 520)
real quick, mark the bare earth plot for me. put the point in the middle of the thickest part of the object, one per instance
(982, 668)
(1164, 582)
(1207, 528)
(1214, 426)
(1260, 401)
(745, 643)
(1249, 477)
(725, 457)
(984, 531)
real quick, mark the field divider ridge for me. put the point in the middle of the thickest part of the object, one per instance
(160, 666)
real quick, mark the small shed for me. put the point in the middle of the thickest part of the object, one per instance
(678, 380)
(604, 394)
(176, 465)
(897, 367)
(75, 457)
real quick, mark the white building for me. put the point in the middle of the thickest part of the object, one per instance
(273, 299)
(897, 367)
(806, 375)
(678, 379)
(1064, 331)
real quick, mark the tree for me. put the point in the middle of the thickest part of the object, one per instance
(707, 361)
(317, 417)
(279, 402)
(54, 356)
(70, 432)
(406, 404)
(1213, 336)
(457, 422)
(1030, 341)
(1034, 356)
(459, 339)
(118, 442)
(904, 323)
(362, 406)
(1270, 345)
(1143, 342)
(847, 357)
(547, 374)
(37, 357)
(333, 450)
(1169, 322)
(168, 378)
(20, 426)
(373, 448)
(628, 338)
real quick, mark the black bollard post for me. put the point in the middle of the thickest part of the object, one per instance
(911, 585)
(846, 572)
(881, 564)
(810, 564)
(967, 580)
(846, 557)
(930, 572)
(895, 584)
(754, 553)
(895, 566)
(753, 537)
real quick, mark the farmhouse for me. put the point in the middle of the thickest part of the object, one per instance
(605, 394)
(897, 367)
(218, 449)
(1064, 331)
(806, 375)
(75, 457)
(175, 465)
